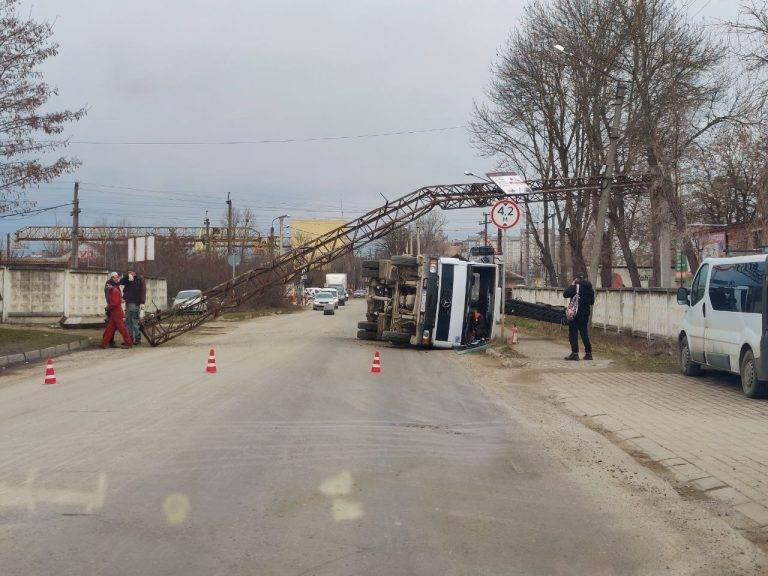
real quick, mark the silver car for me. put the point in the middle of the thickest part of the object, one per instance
(325, 297)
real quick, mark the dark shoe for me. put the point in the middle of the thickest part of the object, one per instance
(572, 356)
(588, 356)
(125, 346)
(112, 345)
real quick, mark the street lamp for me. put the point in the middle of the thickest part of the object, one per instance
(468, 173)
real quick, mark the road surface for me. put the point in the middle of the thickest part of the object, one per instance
(294, 459)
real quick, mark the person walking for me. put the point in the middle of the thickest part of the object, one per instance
(134, 294)
(582, 295)
(116, 316)
(114, 279)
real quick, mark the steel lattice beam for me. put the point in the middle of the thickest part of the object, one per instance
(376, 224)
(215, 235)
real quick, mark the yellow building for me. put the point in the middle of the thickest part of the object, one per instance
(303, 231)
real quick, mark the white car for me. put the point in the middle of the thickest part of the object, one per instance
(723, 327)
(325, 297)
(191, 300)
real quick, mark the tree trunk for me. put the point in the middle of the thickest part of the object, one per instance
(606, 258)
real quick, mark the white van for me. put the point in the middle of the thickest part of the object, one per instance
(724, 327)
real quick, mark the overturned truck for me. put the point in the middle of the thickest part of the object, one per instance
(426, 301)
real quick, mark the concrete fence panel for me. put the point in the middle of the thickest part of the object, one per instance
(638, 311)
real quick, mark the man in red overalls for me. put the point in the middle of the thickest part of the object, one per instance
(116, 317)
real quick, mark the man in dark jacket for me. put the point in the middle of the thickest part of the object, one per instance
(135, 294)
(580, 323)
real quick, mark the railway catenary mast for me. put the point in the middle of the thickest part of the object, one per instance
(166, 325)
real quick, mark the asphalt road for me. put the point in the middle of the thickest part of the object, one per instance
(294, 459)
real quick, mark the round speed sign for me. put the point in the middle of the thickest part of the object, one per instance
(505, 214)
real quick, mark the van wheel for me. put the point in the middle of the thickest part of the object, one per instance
(396, 337)
(687, 366)
(752, 387)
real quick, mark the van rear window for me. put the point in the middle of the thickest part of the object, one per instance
(737, 287)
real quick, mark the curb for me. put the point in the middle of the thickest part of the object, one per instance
(42, 353)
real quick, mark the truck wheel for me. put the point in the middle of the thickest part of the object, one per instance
(687, 366)
(752, 387)
(405, 260)
(366, 335)
(370, 326)
(342, 303)
(396, 337)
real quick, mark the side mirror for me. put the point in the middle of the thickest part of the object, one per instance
(683, 297)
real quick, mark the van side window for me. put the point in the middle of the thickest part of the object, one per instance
(738, 287)
(697, 288)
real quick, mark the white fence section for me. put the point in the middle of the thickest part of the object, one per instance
(37, 294)
(650, 312)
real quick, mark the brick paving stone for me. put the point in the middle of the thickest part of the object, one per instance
(651, 449)
(707, 483)
(687, 472)
(755, 512)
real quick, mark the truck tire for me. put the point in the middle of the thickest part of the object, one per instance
(687, 366)
(405, 260)
(396, 337)
(752, 387)
(370, 326)
(366, 335)
(342, 302)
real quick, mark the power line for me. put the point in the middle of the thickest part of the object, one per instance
(34, 211)
(274, 141)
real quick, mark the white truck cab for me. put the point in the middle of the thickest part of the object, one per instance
(724, 327)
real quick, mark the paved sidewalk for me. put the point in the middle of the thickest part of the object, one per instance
(703, 431)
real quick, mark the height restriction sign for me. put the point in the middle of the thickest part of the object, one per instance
(505, 214)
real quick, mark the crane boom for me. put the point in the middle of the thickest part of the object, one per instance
(166, 325)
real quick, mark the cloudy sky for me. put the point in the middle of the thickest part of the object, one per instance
(211, 71)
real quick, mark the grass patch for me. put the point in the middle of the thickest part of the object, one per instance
(14, 340)
(637, 353)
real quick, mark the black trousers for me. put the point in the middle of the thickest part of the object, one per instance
(579, 326)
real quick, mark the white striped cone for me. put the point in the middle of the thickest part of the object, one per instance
(50, 374)
(211, 367)
(376, 365)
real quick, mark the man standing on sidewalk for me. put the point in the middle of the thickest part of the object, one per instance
(135, 294)
(579, 325)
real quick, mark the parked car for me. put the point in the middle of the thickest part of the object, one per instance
(329, 309)
(190, 300)
(358, 294)
(725, 319)
(310, 292)
(325, 297)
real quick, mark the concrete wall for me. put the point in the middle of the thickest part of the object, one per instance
(37, 294)
(638, 311)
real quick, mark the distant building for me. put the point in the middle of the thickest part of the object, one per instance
(715, 240)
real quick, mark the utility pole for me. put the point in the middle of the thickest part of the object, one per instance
(485, 227)
(8, 246)
(207, 223)
(527, 250)
(418, 240)
(74, 260)
(229, 225)
(282, 236)
(607, 182)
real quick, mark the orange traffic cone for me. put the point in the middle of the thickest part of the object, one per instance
(211, 367)
(376, 365)
(50, 375)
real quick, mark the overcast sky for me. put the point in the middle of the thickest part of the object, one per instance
(223, 70)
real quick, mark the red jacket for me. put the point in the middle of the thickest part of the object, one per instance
(114, 299)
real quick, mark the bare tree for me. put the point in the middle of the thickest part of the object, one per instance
(28, 126)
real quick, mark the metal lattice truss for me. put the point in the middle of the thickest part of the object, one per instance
(376, 224)
(187, 234)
